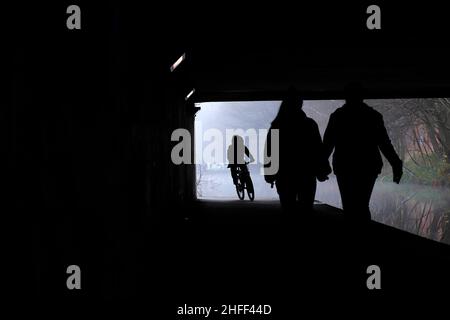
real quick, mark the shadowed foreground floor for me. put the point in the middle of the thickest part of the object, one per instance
(241, 252)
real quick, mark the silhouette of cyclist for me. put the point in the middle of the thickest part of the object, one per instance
(236, 154)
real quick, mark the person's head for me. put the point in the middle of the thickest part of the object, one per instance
(353, 92)
(290, 106)
(293, 98)
(237, 140)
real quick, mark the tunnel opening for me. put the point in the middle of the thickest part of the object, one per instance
(419, 130)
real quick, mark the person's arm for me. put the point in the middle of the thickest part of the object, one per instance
(249, 155)
(329, 138)
(387, 149)
(269, 178)
(323, 168)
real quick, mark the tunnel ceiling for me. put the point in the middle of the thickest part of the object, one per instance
(319, 72)
(250, 51)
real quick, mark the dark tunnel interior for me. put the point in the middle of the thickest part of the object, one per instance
(87, 124)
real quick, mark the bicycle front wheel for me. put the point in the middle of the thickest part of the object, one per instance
(240, 191)
(250, 189)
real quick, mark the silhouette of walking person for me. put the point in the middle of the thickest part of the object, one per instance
(301, 155)
(357, 134)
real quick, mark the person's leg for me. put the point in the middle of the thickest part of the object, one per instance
(355, 194)
(287, 196)
(368, 182)
(234, 174)
(349, 194)
(307, 193)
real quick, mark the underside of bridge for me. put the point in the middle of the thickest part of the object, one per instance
(88, 123)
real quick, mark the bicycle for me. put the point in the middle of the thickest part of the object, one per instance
(244, 182)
